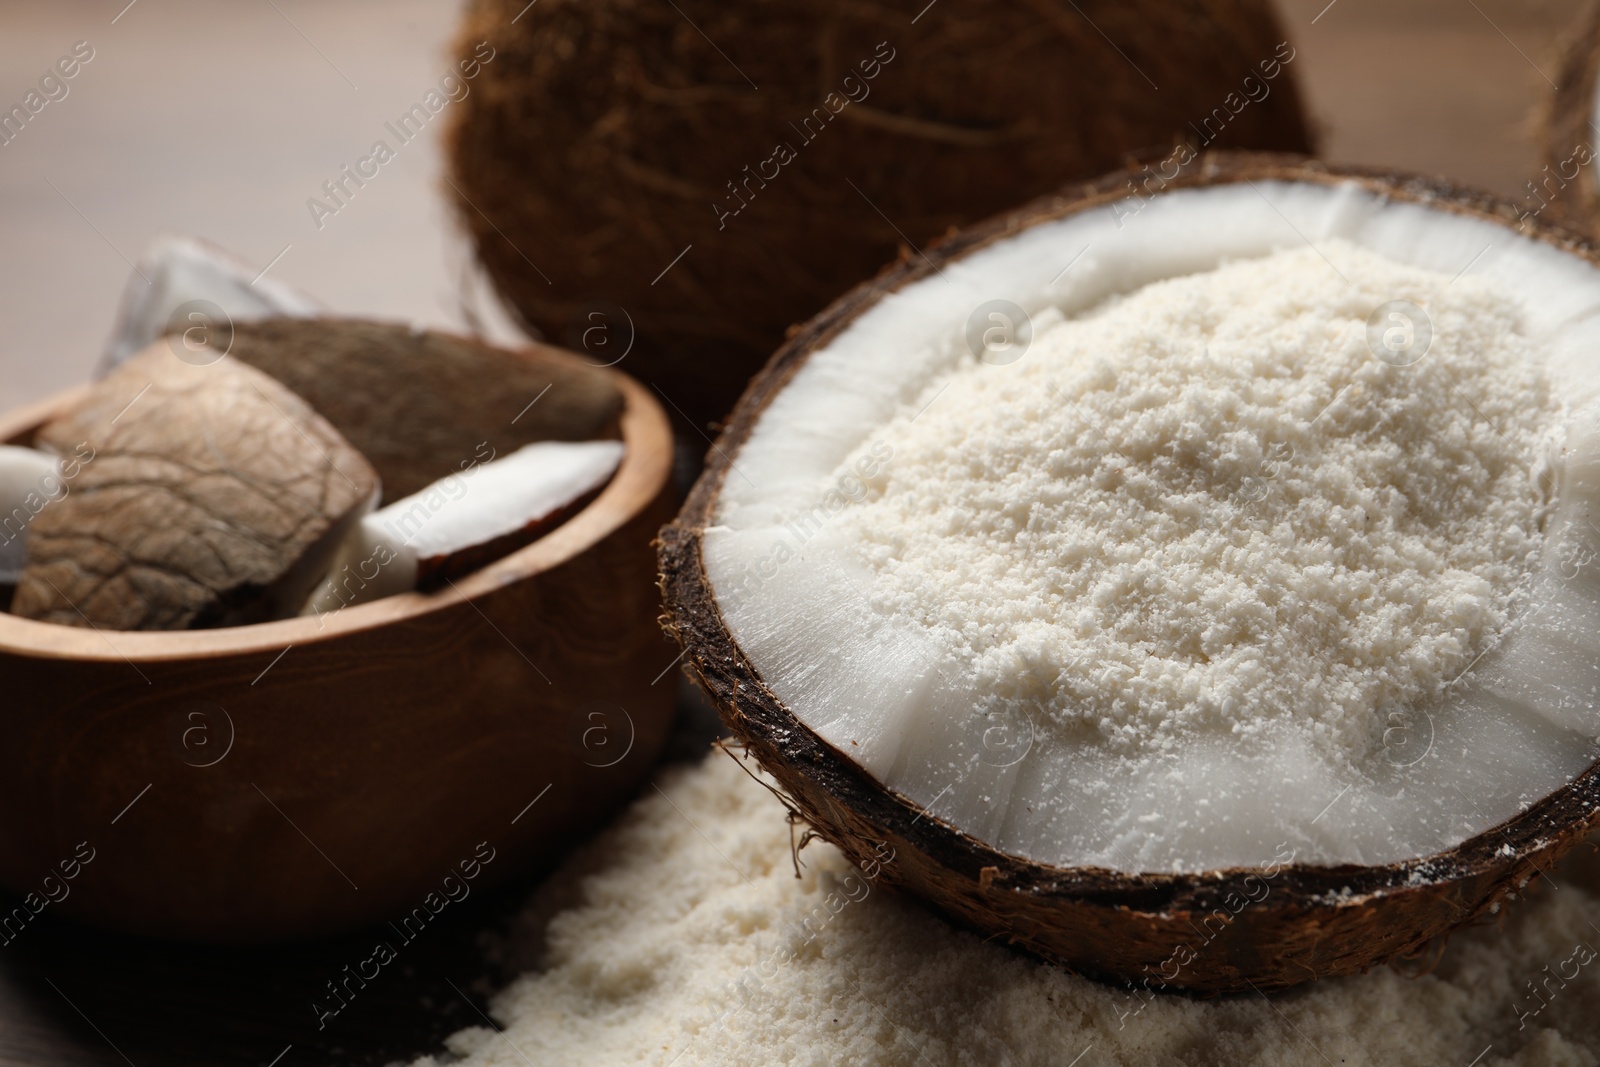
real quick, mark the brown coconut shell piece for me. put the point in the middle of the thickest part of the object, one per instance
(1566, 189)
(1225, 931)
(418, 403)
(606, 145)
(203, 495)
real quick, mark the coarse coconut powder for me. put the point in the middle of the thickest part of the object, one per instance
(681, 938)
(1208, 505)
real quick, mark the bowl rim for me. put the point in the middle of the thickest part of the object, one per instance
(644, 471)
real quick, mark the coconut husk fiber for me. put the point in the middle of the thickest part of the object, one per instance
(602, 151)
(1565, 189)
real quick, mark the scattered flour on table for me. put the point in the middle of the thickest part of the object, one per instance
(681, 936)
(1206, 503)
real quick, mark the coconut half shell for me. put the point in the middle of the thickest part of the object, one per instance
(1216, 931)
(691, 179)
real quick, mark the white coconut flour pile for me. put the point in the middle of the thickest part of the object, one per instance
(1209, 505)
(682, 937)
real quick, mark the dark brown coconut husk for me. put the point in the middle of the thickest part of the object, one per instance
(1566, 189)
(421, 405)
(595, 144)
(1314, 922)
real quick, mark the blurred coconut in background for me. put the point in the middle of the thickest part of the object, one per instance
(693, 179)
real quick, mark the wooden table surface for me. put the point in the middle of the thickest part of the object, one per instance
(222, 120)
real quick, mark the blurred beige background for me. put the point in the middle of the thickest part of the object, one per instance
(218, 120)
(222, 119)
(1444, 86)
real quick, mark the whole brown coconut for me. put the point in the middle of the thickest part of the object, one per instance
(689, 179)
(1120, 925)
(1565, 190)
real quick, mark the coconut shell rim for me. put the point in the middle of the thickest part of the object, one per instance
(786, 746)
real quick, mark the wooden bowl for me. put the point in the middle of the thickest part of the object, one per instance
(301, 777)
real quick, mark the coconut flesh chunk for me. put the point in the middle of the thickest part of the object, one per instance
(465, 520)
(858, 652)
(178, 271)
(29, 479)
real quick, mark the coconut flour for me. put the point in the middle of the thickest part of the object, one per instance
(682, 937)
(1209, 504)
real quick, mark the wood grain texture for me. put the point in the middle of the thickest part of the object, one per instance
(308, 776)
(161, 1002)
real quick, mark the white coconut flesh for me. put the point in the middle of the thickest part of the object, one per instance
(29, 479)
(1276, 673)
(385, 552)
